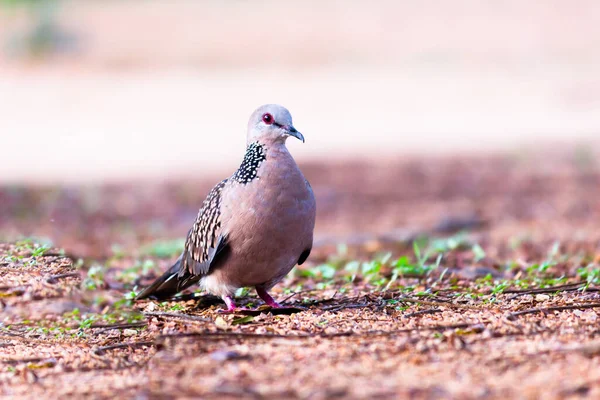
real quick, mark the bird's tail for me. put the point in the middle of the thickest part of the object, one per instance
(168, 284)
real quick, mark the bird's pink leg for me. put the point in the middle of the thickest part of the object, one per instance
(229, 303)
(267, 297)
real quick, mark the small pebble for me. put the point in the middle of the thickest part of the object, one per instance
(129, 332)
(221, 323)
(542, 297)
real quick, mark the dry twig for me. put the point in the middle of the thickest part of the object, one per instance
(423, 312)
(54, 278)
(104, 328)
(177, 315)
(101, 350)
(513, 315)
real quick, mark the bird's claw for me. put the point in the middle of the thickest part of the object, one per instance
(274, 304)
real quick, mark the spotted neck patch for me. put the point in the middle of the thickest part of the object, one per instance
(248, 171)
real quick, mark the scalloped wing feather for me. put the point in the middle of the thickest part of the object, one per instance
(204, 240)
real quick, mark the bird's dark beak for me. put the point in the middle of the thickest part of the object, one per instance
(293, 132)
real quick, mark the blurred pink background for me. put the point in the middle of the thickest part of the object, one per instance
(114, 90)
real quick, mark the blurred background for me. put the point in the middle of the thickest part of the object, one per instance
(129, 111)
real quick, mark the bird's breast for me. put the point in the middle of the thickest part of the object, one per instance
(277, 195)
(269, 221)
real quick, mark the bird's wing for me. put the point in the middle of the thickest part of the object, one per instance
(204, 243)
(205, 240)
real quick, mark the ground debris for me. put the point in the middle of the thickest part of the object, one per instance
(510, 309)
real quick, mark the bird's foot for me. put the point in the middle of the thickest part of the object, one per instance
(262, 293)
(231, 307)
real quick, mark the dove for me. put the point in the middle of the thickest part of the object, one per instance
(254, 226)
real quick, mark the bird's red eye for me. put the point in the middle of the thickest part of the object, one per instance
(267, 119)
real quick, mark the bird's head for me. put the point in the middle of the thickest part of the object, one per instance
(271, 123)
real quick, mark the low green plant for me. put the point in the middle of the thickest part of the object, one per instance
(164, 248)
(551, 260)
(139, 269)
(95, 278)
(590, 274)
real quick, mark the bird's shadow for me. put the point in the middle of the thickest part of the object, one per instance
(208, 300)
(272, 310)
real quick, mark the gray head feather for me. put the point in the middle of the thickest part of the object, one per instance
(271, 123)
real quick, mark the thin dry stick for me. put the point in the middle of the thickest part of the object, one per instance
(513, 315)
(315, 302)
(299, 292)
(242, 335)
(338, 307)
(247, 335)
(552, 289)
(103, 328)
(54, 278)
(176, 315)
(477, 325)
(101, 350)
(423, 312)
(38, 360)
(438, 304)
(289, 297)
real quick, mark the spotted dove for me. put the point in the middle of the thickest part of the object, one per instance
(254, 226)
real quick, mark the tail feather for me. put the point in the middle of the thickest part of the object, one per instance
(168, 284)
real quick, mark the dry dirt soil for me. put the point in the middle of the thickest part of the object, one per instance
(431, 278)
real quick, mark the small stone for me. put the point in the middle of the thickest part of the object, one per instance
(542, 297)
(221, 323)
(129, 332)
(526, 299)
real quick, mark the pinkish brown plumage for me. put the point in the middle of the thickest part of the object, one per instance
(254, 226)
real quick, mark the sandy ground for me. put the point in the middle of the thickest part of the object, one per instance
(510, 320)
